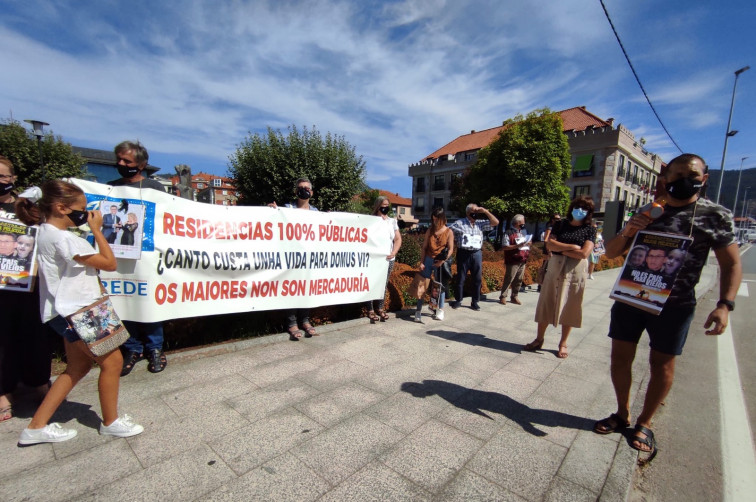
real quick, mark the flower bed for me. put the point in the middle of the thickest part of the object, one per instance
(493, 275)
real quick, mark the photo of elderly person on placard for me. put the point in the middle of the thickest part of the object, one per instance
(122, 226)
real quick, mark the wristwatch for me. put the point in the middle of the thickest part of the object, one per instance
(727, 303)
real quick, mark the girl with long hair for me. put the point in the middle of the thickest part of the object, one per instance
(68, 268)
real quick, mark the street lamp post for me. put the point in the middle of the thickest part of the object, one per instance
(737, 188)
(743, 226)
(38, 126)
(729, 132)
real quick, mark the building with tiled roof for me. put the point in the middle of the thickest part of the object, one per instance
(211, 189)
(608, 164)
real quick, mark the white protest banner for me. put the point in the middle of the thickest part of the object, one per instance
(200, 259)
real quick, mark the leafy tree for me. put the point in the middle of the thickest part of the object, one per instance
(362, 203)
(265, 168)
(522, 171)
(20, 145)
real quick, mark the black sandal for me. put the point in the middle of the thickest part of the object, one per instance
(130, 361)
(647, 441)
(383, 315)
(294, 333)
(310, 331)
(612, 423)
(158, 361)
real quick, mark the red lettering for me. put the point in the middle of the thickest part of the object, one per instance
(168, 224)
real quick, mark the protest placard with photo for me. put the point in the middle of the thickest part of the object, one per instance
(650, 269)
(18, 256)
(123, 226)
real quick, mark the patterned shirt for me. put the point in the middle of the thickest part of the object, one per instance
(713, 228)
(469, 236)
(566, 233)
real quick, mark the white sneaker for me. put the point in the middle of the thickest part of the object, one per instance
(590, 277)
(439, 315)
(51, 433)
(418, 316)
(123, 427)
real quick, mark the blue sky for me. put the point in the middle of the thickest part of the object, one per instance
(398, 79)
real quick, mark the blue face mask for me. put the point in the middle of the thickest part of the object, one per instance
(579, 214)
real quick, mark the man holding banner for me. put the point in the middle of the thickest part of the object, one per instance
(146, 337)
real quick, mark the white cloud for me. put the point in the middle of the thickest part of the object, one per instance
(397, 79)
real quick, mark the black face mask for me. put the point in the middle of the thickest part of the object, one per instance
(303, 193)
(78, 218)
(683, 188)
(5, 188)
(385, 210)
(127, 172)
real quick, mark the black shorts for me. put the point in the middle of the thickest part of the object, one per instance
(61, 327)
(667, 331)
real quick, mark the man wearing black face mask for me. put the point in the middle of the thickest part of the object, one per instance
(468, 235)
(146, 337)
(711, 227)
(300, 317)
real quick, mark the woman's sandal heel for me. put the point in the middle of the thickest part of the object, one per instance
(533, 346)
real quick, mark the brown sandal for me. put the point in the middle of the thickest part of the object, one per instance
(383, 315)
(373, 317)
(533, 346)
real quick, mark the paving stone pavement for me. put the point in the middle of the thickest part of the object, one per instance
(450, 410)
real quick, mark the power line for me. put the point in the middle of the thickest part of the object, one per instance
(637, 79)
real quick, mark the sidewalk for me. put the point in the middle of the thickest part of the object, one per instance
(450, 410)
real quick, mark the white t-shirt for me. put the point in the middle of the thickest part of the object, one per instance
(65, 285)
(391, 226)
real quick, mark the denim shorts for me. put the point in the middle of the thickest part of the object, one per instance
(667, 331)
(61, 327)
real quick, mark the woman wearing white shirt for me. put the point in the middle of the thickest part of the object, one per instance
(381, 208)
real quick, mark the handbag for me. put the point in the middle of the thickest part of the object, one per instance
(419, 285)
(99, 326)
(541, 275)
